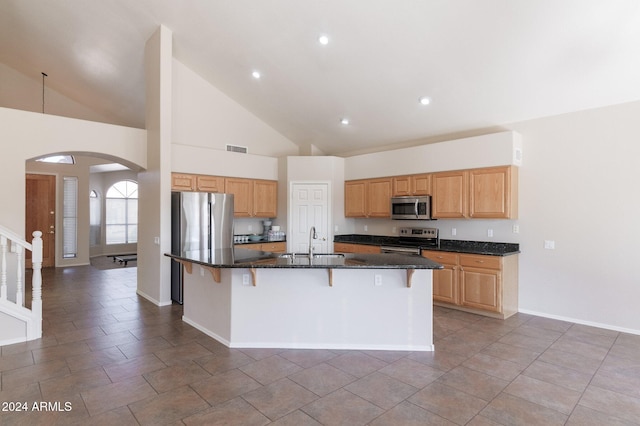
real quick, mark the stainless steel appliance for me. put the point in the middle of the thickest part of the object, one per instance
(411, 208)
(199, 221)
(413, 240)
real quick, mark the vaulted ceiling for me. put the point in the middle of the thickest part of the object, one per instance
(481, 63)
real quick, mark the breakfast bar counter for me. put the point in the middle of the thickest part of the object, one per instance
(247, 298)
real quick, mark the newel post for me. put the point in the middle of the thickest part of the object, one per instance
(36, 302)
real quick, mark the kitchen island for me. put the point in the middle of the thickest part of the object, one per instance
(251, 299)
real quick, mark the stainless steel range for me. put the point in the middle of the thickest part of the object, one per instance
(412, 240)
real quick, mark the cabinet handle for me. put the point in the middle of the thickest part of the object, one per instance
(479, 261)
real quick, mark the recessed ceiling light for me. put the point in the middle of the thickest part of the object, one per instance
(424, 100)
(323, 39)
(344, 121)
(256, 75)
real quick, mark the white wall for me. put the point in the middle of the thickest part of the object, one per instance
(26, 135)
(24, 92)
(203, 116)
(578, 187)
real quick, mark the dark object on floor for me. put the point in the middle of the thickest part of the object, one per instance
(125, 258)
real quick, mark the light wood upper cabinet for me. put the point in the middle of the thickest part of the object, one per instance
(206, 183)
(412, 185)
(183, 182)
(242, 190)
(379, 198)
(265, 198)
(450, 194)
(367, 198)
(253, 198)
(355, 198)
(493, 193)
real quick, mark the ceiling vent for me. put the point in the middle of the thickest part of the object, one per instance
(236, 148)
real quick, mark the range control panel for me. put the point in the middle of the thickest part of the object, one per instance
(419, 232)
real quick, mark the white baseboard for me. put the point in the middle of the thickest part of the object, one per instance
(581, 322)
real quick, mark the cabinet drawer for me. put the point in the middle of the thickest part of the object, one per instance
(441, 256)
(274, 247)
(480, 261)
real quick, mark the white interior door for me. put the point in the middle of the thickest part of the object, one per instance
(310, 206)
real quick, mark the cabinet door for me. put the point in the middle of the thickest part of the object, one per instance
(265, 198)
(402, 186)
(481, 289)
(183, 182)
(450, 197)
(355, 198)
(242, 190)
(421, 184)
(492, 193)
(379, 198)
(210, 183)
(445, 281)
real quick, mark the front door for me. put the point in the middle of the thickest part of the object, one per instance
(309, 207)
(41, 215)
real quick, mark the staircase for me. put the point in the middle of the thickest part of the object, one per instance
(17, 322)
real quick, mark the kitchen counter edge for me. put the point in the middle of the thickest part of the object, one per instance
(456, 246)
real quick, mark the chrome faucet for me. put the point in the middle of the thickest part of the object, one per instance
(313, 235)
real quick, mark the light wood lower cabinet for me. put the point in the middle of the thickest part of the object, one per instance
(274, 246)
(355, 248)
(481, 284)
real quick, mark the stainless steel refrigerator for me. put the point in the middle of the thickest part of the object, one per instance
(200, 221)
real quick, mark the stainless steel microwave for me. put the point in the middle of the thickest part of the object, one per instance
(411, 208)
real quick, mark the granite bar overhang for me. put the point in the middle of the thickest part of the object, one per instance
(459, 246)
(243, 258)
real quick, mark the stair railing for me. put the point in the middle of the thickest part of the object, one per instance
(11, 242)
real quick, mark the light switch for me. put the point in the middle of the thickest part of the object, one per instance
(549, 245)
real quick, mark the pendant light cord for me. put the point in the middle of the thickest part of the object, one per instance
(43, 76)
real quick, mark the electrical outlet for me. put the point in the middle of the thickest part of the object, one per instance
(246, 279)
(201, 271)
(454, 231)
(489, 232)
(366, 228)
(516, 229)
(335, 228)
(377, 280)
(549, 244)
(156, 240)
(393, 229)
(250, 228)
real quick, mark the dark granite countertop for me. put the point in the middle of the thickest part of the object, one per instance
(243, 258)
(458, 246)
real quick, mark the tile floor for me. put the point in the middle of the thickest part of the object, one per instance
(110, 357)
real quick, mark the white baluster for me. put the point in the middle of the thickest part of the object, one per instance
(36, 301)
(19, 250)
(3, 271)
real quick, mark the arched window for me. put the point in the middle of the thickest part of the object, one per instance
(121, 204)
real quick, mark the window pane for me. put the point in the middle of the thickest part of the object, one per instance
(116, 234)
(132, 233)
(132, 211)
(69, 217)
(116, 211)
